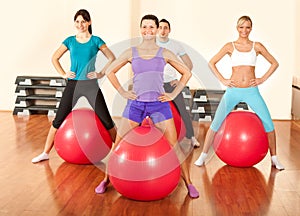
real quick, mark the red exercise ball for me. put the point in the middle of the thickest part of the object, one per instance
(241, 140)
(144, 165)
(179, 123)
(82, 139)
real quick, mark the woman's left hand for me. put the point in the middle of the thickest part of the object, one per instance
(95, 75)
(256, 82)
(165, 97)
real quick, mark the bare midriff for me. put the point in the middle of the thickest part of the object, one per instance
(242, 75)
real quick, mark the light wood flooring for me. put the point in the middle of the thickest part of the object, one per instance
(55, 187)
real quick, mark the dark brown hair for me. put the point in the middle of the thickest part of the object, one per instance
(150, 17)
(86, 16)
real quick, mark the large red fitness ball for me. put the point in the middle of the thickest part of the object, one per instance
(144, 166)
(179, 123)
(241, 140)
(82, 139)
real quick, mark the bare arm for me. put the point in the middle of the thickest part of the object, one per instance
(187, 61)
(226, 49)
(110, 57)
(274, 64)
(114, 67)
(182, 69)
(55, 61)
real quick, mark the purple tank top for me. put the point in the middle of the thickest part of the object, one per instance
(148, 76)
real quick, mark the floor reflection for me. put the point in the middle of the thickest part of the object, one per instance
(242, 191)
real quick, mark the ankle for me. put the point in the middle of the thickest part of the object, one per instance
(276, 163)
(41, 157)
(193, 192)
(200, 161)
(101, 188)
(195, 142)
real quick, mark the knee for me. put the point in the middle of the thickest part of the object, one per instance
(272, 132)
(269, 128)
(56, 124)
(172, 138)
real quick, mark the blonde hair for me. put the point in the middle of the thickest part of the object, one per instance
(243, 19)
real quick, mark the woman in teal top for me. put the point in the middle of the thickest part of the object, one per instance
(82, 77)
(83, 55)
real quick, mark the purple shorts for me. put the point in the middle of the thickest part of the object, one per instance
(138, 110)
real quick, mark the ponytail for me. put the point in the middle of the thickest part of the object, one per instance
(90, 29)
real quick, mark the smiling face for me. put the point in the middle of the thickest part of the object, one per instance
(244, 29)
(148, 29)
(163, 30)
(81, 24)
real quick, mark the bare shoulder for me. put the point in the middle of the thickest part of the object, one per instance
(167, 51)
(227, 48)
(259, 47)
(257, 44)
(126, 54)
(168, 54)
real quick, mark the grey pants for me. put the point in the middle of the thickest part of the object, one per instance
(180, 105)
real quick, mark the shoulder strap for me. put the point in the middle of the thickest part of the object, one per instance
(134, 52)
(159, 52)
(233, 45)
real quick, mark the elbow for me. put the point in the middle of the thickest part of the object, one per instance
(189, 74)
(274, 65)
(108, 74)
(191, 66)
(54, 60)
(113, 58)
(210, 64)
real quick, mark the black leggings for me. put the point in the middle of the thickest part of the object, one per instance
(90, 89)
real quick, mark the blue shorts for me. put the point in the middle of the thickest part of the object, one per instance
(137, 110)
(254, 100)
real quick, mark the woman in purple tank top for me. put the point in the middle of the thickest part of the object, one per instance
(148, 97)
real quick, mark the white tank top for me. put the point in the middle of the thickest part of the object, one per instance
(243, 58)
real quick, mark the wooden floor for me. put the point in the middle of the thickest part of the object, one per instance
(55, 187)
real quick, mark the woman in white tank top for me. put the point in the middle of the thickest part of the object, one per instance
(242, 86)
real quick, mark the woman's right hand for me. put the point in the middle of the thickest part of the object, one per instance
(69, 75)
(229, 82)
(129, 95)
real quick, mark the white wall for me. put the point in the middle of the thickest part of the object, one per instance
(34, 29)
(297, 45)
